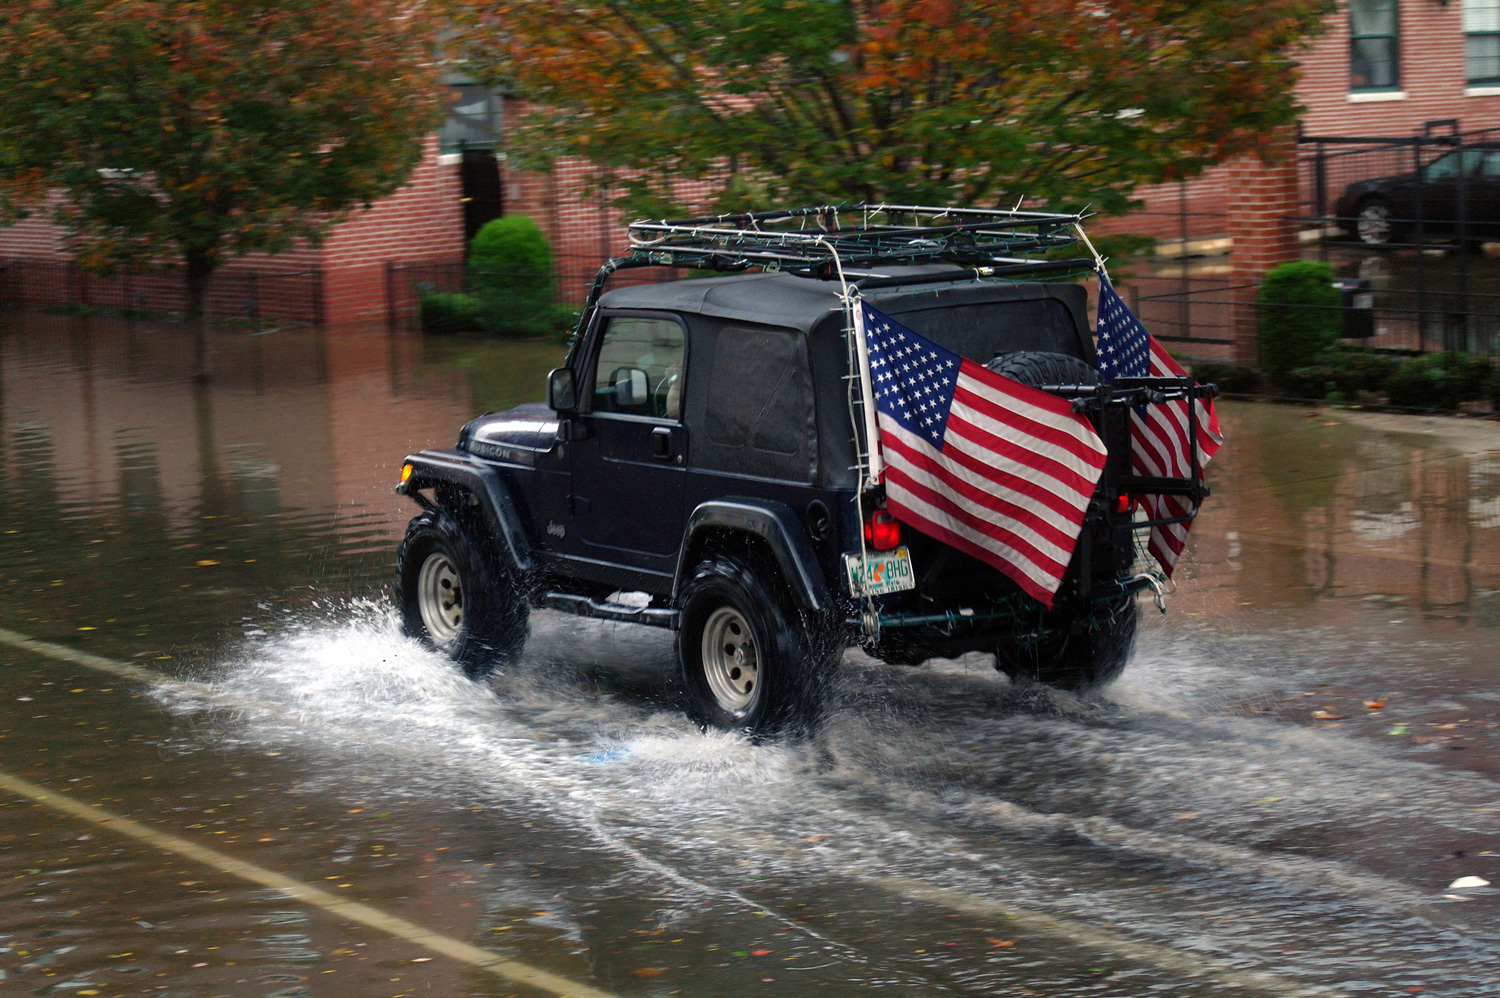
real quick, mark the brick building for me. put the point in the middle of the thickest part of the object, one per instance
(1384, 67)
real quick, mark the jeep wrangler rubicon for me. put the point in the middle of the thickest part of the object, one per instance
(702, 464)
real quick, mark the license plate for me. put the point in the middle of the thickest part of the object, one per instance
(889, 572)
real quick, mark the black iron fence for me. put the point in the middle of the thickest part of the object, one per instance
(233, 293)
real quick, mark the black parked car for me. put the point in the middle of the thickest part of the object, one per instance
(697, 467)
(1463, 185)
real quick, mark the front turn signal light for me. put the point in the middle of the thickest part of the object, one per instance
(406, 471)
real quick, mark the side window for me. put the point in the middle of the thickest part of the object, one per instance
(759, 418)
(639, 370)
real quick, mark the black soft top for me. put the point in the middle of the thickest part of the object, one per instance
(804, 303)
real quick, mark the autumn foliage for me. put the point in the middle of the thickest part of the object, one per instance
(203, 129)
(971, 102)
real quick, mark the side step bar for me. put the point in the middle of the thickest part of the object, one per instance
(582, 606)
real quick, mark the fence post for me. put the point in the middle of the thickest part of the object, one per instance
(390, 294)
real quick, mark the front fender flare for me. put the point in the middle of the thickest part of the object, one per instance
(429, 467)
(772, 522)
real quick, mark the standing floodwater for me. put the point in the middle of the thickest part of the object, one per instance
(1273, 800)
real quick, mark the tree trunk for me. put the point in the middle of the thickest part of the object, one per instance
(200, 267)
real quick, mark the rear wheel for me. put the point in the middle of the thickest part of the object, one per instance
(453, 595)
(1086, 656)
(747, 662)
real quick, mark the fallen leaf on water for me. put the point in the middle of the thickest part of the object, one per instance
(1185, 815)
(1398, 729)
(649, 971)
(1374, 704)
(1327, 715)
(205, 562)
(1268, 800)
(1000, 943)
(760, 952)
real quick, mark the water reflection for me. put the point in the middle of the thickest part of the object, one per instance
(946, 833)
(1308, 508)
(271, 478)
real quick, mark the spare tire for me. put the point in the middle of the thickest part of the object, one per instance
(1035, 368)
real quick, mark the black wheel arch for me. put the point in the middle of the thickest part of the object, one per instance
(491, 495)
(749, 526)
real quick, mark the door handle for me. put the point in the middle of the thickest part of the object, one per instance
(661, 443)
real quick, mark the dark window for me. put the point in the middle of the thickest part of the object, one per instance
(1374, 45)
(473, 118)
(759, 418)
(1482, 41)
(639, 370)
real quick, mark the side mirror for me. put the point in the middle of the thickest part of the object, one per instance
(562, 391)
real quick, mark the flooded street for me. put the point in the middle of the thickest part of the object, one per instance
(223, 771)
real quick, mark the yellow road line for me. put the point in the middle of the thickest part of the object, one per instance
(352, 911)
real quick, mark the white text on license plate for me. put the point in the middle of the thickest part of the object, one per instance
(889, 572)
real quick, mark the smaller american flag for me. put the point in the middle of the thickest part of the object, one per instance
(1158, 433)
(985, 464)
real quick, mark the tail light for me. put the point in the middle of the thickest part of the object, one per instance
(1124, 504)
(882, 531)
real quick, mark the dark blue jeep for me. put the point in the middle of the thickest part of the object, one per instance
(699, 466)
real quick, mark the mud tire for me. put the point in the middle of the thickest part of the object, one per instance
(745, 607)
(1035, 368)
(493, 618)
(1075, 659)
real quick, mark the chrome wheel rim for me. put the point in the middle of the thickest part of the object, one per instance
(1375, 224)
(440, 598)
(730, 660)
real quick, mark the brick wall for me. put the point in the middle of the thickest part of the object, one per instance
(1433, 87)
(421, 221)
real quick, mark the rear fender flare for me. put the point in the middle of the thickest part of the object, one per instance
(778, 527)
(487, 488)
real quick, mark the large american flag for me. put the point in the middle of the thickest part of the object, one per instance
(983, 463)
(1158, 433)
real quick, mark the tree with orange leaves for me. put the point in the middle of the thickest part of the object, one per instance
(205, 129)
(964, 102)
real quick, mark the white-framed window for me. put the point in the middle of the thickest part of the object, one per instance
(1374, 45)
(1482, 42)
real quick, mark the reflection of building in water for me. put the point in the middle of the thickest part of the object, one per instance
(1310, 510)
(97, 409)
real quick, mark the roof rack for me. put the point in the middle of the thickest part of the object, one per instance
(821, 241)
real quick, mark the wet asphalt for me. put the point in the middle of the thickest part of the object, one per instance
(223, 771)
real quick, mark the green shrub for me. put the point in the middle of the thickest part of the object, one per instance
(1297, 315)
(1438, 381)
(445, 312)
(1340, 375)
(1234, 378)
(510, 272)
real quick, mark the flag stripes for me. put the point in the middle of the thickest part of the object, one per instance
(984, 464)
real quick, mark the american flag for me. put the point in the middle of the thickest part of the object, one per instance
(1158, 433)
(987, 465)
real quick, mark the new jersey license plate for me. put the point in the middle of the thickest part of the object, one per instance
(886, 572)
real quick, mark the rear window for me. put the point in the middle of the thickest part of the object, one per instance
(981, 330)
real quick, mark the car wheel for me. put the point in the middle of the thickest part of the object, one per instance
(1087, 657)
(453, 596)
(747, 664)
(1374, 223)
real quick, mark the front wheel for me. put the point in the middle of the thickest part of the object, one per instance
(1374, 223)
(454, 597)
(1090, 654)
(746, 663)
